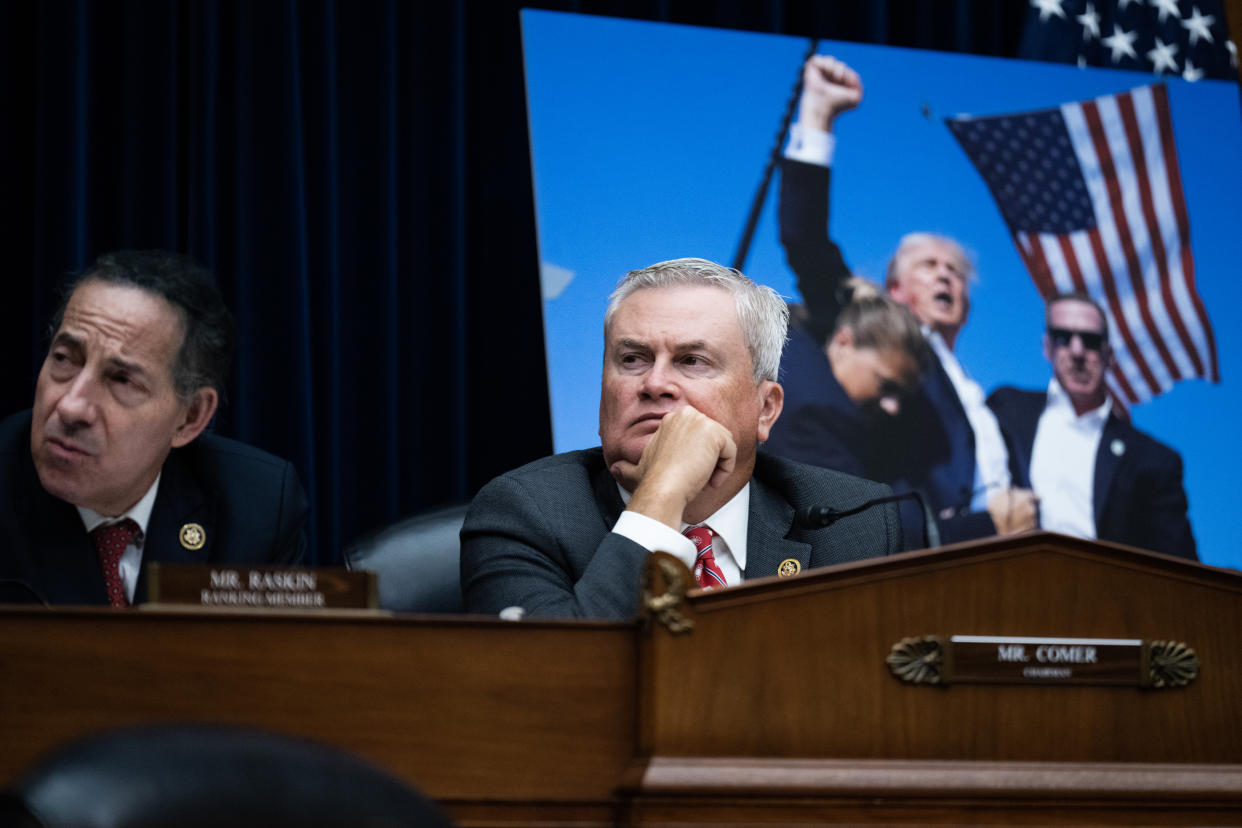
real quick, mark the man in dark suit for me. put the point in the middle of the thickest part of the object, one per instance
(689, 390)
(110, 471)
(1095, 474)
(945, 443)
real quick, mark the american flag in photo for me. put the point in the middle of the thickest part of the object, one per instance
(1189, 38)
(1092, 194)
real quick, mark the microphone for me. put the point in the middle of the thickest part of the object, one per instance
(819, 517)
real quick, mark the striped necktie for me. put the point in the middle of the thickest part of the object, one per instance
(706, 572)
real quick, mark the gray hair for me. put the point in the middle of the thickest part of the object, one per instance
(910, 240)
(761, 312)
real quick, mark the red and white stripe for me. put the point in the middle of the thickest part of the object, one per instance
(1136, 262)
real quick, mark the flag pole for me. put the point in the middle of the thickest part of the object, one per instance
(761, 195)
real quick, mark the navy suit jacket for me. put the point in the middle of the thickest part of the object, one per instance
(931, 446)
(540, 537)
(1138, 493)
(249, 503)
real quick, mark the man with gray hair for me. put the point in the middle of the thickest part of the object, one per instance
(946, 442)
(689, 392)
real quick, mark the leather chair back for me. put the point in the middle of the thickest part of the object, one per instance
(418, 560)
(198, 775)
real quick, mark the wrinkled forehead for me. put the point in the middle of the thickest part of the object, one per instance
(1075, 315)
(124, 318)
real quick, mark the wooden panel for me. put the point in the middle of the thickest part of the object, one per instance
(778, 708)
(465, 709)
(814, 670)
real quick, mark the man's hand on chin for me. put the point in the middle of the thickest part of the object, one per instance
(688, 453)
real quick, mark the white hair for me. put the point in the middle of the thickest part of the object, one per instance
(909, 240)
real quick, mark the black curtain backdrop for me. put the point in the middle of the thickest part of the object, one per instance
(357, 175)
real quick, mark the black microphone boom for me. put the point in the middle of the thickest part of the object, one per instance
(818, 517)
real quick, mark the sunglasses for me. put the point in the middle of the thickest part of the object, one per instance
(1061, 338)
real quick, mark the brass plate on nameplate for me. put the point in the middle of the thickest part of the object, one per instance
(260, 587)
(990, 659)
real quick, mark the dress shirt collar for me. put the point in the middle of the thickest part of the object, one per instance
(1060, 403)
(729, 522)
(140, 513)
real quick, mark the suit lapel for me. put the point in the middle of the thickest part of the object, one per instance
(1108, 458)
(179, 503)
(1025, 423)
(771, 517)
(65, 558)
(607, 498)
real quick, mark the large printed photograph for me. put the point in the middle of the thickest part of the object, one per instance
(918, 211)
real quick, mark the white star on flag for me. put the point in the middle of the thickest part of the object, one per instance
(1120, 43)
(1161, 57)
(1090, 20)
(1166, 8)
(1197, 26)
(1047, 8)
(1190, 73)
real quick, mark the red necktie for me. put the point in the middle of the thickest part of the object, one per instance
(110, 543)
(706, 572)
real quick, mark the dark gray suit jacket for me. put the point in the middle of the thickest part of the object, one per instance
(249, 503)
(540, 537)
(1138, 493)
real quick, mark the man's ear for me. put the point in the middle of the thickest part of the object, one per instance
(1047, 348)
(198, 413)
(771, 401)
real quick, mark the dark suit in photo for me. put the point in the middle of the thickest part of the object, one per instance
(1137, 487)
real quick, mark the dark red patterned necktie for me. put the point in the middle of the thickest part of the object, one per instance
(110, 543)
(706, 572)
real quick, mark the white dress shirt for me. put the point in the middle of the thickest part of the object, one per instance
(729, 523)
(991, 456)
(1063, 463)
(131, 558)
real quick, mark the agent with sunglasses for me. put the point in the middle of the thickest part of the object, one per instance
(1096, 475)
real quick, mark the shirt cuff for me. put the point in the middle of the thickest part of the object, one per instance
(810, 146)
(651, 535)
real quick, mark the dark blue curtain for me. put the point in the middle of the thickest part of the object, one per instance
(356, 173)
